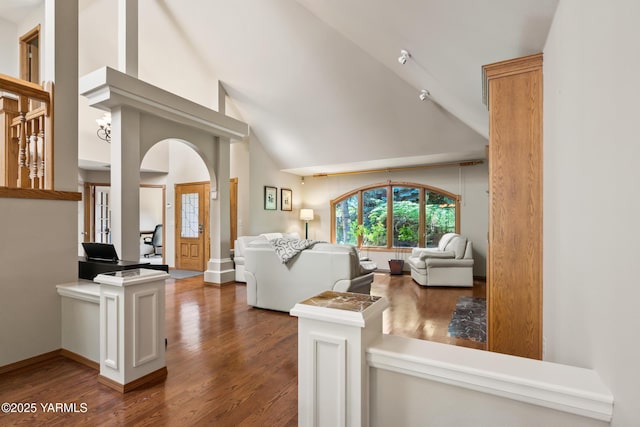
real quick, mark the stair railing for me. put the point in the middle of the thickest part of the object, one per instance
(26, 134)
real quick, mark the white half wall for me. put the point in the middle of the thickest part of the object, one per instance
(591, 208)
(41, 255)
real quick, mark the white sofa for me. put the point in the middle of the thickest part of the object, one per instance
(450, 264)
(277, 286)
(241, 243)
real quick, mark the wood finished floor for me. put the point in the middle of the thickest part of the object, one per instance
(228, 364)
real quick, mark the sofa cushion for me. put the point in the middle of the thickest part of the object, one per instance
(445, 239)
(417, 262)
(427, 253)
(241, 244)
(457, 245)
(260, 243)
(334, 247)
(271, 236)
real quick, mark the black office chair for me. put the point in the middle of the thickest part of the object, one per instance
(155, 240)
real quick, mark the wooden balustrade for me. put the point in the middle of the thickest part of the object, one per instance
(26, 134)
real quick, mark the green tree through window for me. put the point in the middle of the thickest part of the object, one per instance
(346, 214)
(420, 215)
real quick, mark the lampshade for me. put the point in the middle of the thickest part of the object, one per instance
(306, 214)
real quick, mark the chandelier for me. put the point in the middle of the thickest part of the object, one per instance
(104, 129)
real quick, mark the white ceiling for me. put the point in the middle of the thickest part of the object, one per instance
(319, 82)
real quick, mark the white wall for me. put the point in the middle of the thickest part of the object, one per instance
(265, 172)
(8, 48)
(471, 182)
(150, 207)
(591, 208)
(164, 61)
(240, 168)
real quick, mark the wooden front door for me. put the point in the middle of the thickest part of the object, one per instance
(192, 217)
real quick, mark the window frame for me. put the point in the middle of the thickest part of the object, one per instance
(422, 188)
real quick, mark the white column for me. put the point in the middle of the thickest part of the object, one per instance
(128, 37)
(220, 266)
(125, 182)
(334, 331)
(61, 67)
(132, 328)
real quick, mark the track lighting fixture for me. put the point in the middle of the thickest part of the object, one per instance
(404, 55)
(424, 95)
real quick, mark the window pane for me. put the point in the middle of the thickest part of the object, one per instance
(347, 220)
(189, 215)
(441, 217)
(406, 209)
(374, 217)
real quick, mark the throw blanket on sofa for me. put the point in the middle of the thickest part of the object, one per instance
(287, 249)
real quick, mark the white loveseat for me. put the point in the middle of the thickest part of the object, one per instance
(277, 286)
(450, 264)
(241, 244)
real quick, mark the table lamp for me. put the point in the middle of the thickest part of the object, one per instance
(306, 215)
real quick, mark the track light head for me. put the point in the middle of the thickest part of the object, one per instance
(404, 55)
(424, 95)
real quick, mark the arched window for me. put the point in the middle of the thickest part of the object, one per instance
(394, 215)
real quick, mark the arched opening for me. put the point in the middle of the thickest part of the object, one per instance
(178, 166)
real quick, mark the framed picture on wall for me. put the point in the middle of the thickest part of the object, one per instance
(286, 196)
(270, 198)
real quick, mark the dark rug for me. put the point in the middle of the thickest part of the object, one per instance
(469, 320)
(183, 274)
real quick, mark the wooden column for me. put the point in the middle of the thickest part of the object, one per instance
(514, 286)
(9, 147)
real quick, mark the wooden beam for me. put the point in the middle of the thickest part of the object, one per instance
(400, 169)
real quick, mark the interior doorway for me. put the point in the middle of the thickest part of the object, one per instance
(192, 239)
(30, 56)
(97, 213)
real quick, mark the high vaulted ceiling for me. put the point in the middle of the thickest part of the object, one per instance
(319, 81)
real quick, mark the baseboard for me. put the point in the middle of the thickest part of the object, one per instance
(35, 361)
(149, 379)
(222, 285)
(30, 363)
(80, 359)
(404, 272)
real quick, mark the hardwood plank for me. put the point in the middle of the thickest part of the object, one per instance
(228, 364)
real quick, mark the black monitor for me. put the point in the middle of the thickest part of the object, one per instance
(100, 252)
